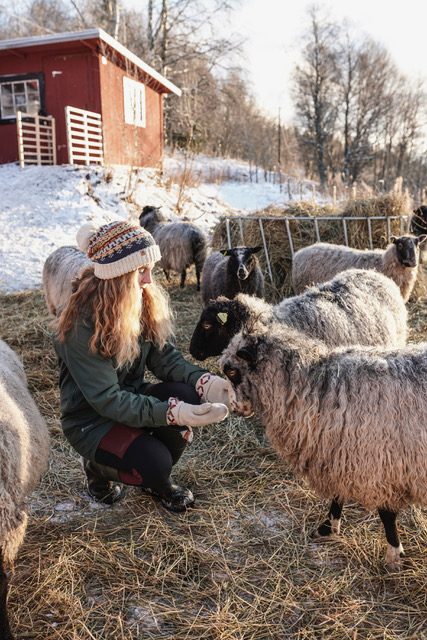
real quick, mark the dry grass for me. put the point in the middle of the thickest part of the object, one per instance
(240, 566)
(303, 232)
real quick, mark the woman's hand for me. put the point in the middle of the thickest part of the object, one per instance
(212, 388)
(194, 415)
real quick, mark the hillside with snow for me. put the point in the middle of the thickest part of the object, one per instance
(42, 207)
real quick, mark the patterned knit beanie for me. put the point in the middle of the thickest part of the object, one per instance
(117, 248)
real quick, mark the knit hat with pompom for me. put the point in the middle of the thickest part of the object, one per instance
(117, 248)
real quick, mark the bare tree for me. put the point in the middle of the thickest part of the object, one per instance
(315, 91)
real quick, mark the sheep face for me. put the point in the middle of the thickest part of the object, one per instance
(238, 363)
(407, 249)
(150, 217)
(216, 326)
(242, 260)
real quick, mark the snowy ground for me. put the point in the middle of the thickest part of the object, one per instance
(43, 207)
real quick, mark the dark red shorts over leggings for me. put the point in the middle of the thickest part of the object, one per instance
(145, 457)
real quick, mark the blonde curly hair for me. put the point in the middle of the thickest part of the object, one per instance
(121, 314)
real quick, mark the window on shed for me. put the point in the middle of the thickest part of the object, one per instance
(134, 99)
(23, 95)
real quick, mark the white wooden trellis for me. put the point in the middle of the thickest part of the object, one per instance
(84, 136)
(368, 219)
(36, 139)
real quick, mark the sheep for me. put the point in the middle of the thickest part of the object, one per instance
(231, 271)
(350, 420)
(24, 446)
(59, 270)
(320, 262)
(181, 243)
(356, 307)
(418, 226)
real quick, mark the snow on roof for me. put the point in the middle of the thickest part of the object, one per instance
(90, 34)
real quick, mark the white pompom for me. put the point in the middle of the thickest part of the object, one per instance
(85, 234)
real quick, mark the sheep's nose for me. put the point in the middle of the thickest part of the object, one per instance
(242, 273)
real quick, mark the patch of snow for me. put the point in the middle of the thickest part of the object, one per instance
(43, 206)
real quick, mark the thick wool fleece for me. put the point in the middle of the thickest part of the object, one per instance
(349, 421)
(59, 270)
(322, 261)
(24, 447)
(356, 307)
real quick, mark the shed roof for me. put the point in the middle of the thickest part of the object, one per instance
(84, 36)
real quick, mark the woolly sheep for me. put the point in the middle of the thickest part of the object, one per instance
(320, 262)
(181, 243)
(418, 226)
(232, 271)
(356, 307)
(351, 421)
(24, 446)
(59, 270)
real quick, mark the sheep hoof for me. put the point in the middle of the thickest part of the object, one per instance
(328, 530)
(394, 557)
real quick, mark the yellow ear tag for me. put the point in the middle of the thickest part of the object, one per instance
(222, 317)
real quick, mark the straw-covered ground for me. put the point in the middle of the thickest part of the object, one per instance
(239, 566)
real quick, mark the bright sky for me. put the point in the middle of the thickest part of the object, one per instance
(274, 39)
(273, 29)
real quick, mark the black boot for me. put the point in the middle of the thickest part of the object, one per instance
(100, 486)
(172, 497)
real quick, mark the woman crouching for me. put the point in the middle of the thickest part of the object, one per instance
(116, 324)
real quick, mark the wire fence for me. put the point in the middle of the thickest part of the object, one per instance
(403, 223)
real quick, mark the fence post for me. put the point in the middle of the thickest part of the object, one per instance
(316, 226)
(344, 227)
(266, 250)
(227, 226)
(288, 231)
(371, 244)
(241, 231)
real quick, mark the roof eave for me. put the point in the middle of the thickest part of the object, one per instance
(90, 34)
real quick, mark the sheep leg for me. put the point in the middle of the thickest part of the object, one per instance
(394, 548)
(331, 526)
(5, 632)
(183, 274)
(198, 272)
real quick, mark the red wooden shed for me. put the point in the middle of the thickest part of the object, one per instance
(90, 71)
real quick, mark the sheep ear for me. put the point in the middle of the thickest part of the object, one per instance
(256, 249)
(224, 252)
(422, 238)
(246, 353)
(393, 239)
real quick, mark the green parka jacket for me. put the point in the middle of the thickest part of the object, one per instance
(95, 394)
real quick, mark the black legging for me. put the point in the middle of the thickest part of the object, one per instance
(144, 457)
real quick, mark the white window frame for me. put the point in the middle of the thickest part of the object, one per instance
(134, 102)
(16, 107)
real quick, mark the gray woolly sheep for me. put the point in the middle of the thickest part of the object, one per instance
(181, 243)
(356, 307)
(59, 270)
(320, 262)
(24, 446)
(351, 421)
(232, 271)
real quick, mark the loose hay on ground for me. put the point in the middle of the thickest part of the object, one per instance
(239, 567)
